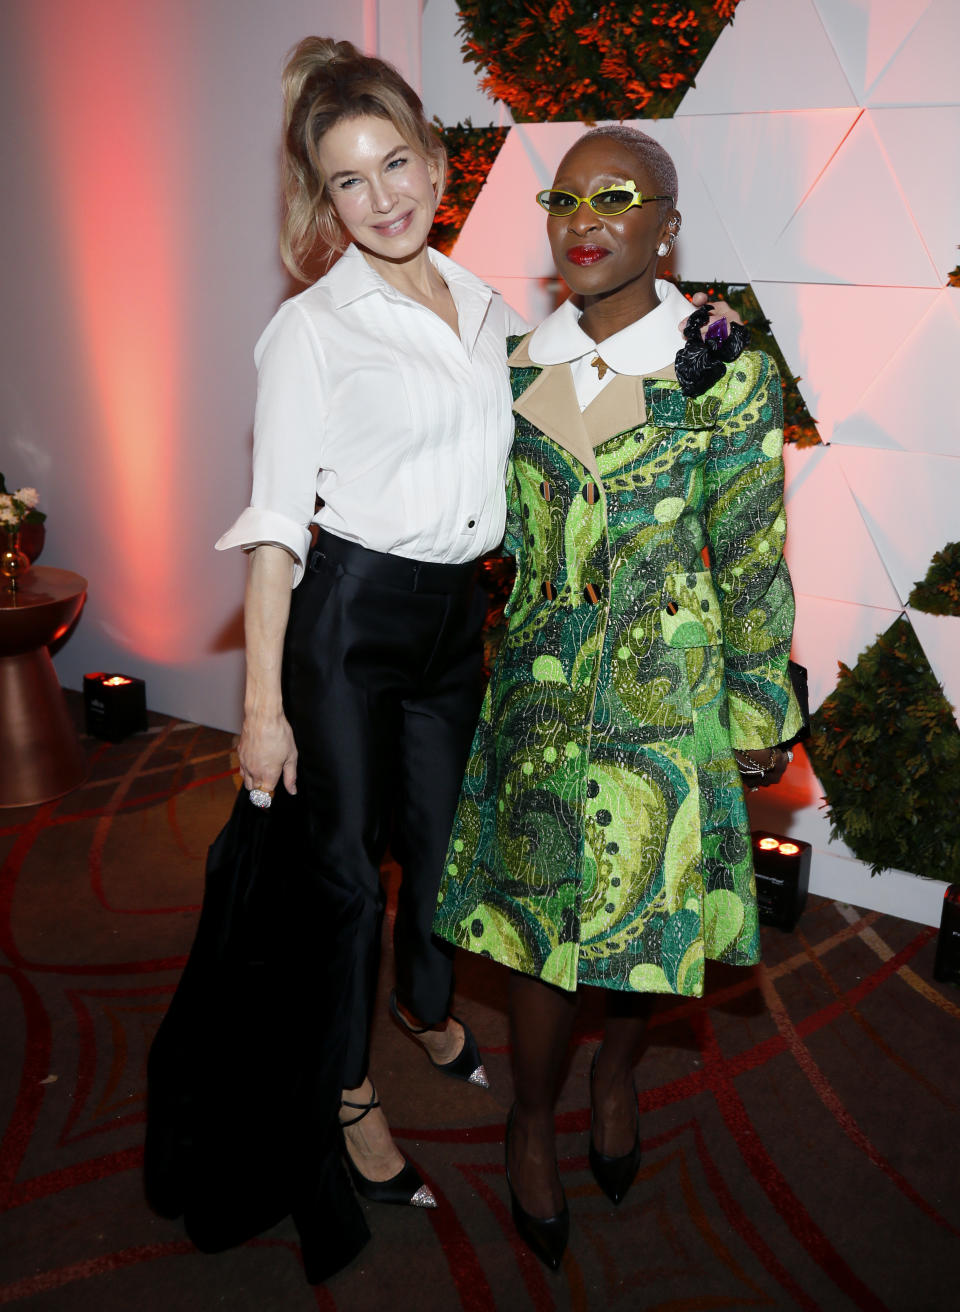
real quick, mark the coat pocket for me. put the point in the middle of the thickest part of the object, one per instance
(689, 610)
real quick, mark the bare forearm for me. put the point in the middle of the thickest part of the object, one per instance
(265, 613)
(266, 744)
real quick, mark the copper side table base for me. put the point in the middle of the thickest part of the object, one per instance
(40, 753)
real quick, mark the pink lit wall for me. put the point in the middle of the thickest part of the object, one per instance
(139, 265)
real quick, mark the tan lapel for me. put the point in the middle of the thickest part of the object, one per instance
(550, 404)
(621, 405)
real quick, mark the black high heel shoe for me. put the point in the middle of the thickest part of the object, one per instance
(614, 1175)
(406, 1188)
(465, 1066)
(545, 1236)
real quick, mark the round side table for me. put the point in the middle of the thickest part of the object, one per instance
(40, 753)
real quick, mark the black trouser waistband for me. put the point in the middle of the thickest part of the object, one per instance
(392, 571)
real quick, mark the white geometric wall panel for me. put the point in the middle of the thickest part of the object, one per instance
(912, 403)
(924, 69)
(751, 69)
(910, 505)
(450, 88)
(854, 225)
(829, 548)
(505, 232)
(758, 168)
(870, 35)
(939, 637)
(830, 631)
(922, 146)
(840, 339)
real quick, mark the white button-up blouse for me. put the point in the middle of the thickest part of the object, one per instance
(371, 403)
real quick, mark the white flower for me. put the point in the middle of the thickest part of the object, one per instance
(29, 496)
(8, 514)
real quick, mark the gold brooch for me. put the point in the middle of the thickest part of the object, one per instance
(601, 366)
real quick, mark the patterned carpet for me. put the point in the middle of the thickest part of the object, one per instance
(800, 1125)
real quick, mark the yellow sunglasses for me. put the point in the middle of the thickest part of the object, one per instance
(608, 201)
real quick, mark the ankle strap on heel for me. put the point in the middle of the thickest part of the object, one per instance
(361, 1107)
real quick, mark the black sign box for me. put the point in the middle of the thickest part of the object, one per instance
(782, 868)
(946, 965)
(115, 705)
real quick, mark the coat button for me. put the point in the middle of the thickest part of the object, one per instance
(591, 594)
(591, 494)
(548, 590)
(546, 491)
(671, 607)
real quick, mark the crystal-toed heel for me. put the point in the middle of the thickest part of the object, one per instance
(406, 1188)
(545, 1236)
(465, 1066)
(614, 1175)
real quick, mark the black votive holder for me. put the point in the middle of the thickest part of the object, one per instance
(946, 964)
(782, 868)
(115, 705)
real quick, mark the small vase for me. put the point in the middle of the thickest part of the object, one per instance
(32, 534)
(14, 563)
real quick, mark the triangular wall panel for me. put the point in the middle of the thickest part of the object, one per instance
(867, 35)
(912, 403)
(924, 69)
(829, 549)
(853, 226)
(909, 503)
(940, 639)
(923, 146)
(830, 631)
(759, 167)
(740, 77)
(839, 339)
(450, 87)
(505, 233)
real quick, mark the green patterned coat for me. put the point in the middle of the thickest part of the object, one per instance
(602, 836)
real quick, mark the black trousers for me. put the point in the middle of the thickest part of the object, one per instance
(382, 686)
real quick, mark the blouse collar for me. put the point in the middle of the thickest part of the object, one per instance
(352, 278)
(639, 349)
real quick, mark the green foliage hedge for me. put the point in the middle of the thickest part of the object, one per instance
(886, 748)
(939, 593)
(470, 155)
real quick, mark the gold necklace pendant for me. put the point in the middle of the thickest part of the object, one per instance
(601, 366)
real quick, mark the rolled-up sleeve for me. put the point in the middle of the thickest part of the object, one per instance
(287, 434)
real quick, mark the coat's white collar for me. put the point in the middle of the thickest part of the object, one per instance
(642, 348)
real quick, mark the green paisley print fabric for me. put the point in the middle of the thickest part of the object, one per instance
(601, 836)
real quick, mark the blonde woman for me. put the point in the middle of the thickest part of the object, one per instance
(383, 426)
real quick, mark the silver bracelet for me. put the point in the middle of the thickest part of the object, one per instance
(751, 767)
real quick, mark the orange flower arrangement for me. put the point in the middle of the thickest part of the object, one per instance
(580, 59)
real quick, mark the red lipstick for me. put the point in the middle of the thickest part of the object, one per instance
(587, 254)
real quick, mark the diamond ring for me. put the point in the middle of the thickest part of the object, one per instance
(261, 797)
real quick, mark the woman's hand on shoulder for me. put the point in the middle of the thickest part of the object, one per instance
(266, 751)
(721, 310)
